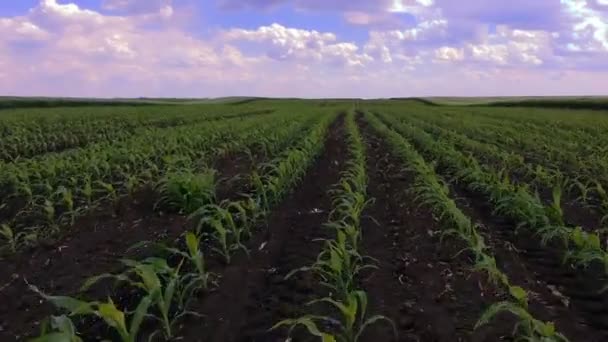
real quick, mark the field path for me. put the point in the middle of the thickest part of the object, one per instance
(430, 295)
(253, 294)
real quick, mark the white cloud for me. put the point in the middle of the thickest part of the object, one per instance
(588, 31)
(283, 43)
(141, 48)
(408, 6)
(85, 48)
(449, 54)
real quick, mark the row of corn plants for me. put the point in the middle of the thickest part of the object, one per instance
(186, 188)
(540, 178)
(54, 191)
(578, 139)
(166, 285)
(573, 139)
(509, 200)
(432, 192)
(577, 172)
(26, 133)
(340, 262)
(229, 223)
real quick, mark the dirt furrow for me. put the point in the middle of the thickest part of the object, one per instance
(253, 294)
(568, 297)
(429, 294)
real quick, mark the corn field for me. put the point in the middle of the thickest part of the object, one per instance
(304, 220)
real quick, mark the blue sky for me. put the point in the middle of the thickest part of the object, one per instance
(307, 48)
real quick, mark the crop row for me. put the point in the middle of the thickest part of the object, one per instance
(585, 171)
(50, 193)
(25, 137)
(582, 123)
(433, 193)
(229, 222)
(340, 262)
(167, 285)
(509, 200)
(574, 139)
(545, 180)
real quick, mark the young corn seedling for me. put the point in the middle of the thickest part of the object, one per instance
(67, 200)
(12, 239)
(260, 190)
(584, 189)
(223, 228)
(185, 191)
(527, 328)
(50, 216)
(111, 193)
(158, 281)
(202, 278)
(549, 233)
(337, 266)
(131, 183)
(352, 324)
(554, 211)
(108, 312)
(487, 264)
(87, 190)
(587, 249)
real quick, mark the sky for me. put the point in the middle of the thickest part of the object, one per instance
(303, 48)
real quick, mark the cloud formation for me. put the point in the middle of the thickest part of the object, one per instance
(411, 47)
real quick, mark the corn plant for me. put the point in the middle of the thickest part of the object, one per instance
(12, 239)
(339, 263)
(586, 249)
(87, 190)
(202, 277)
(527, 328)
(351, 325)
(66, 198)
(160, 284)
(186, 191)
(107, 311)
(222, 225)
(111, 193)
(554, 211)
(337, 266)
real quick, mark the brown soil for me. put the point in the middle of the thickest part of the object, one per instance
(253, 294)
(429, 294)
(235, 169)
(94, 246)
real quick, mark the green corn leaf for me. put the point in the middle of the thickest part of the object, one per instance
(139, 315)
(594, 241)
(72, 305)
(519, 294)
(192, 243)
(114, 318)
